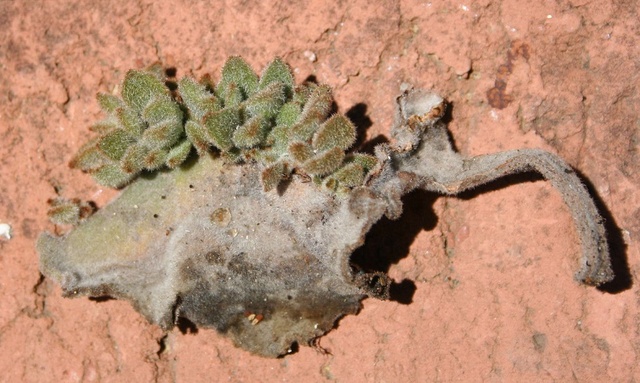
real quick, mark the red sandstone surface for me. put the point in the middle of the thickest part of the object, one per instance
(495, 299)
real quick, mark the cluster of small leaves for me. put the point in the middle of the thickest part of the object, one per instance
(64, 211)
(244, 116)
(143, 131)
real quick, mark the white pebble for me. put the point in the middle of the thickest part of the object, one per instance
(5, 231)
(310, 55)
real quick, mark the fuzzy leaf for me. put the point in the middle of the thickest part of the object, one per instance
(313, 113)
(89, 157)
(208, 83)
(251, 133)
(156, 69)
(231, 94)
(132, 161)
(64, 211)
(349, 176)
(191, 90)
(300, 151)
(273, 175)
(268, 156)
(109, 103)
(197, 98)
(140, 87)
(267, 102)
(178, 154)
(112, 176)
(331, 184)
(233, 156)
(278, 138)
(115, 143)
(324, 163)
(221, 125)
(155, 158)
(278, 71)
(337, 131)
(237, 71)
(104, 126)
(197, 135)
(303, 92)
(304, 130)
(367, 161)
(130, 121)
(162, 135)
(288, 114)
(162, 110)
(319, 103)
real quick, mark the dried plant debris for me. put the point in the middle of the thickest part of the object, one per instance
(253, 236)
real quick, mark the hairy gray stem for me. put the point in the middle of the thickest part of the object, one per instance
(424, 150)
(595, 263)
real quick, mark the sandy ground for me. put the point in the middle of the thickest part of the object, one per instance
(488, 292)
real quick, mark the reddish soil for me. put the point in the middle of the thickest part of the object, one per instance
(495, 298)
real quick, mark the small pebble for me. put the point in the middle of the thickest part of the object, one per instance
(310, 55)
(5, 231)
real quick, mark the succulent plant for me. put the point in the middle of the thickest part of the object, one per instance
(64, 211)
(216, 242)
(143, 131)
(244, 118)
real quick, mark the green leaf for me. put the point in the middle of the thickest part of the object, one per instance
(109, 103)
(89, 157)
(155, 158)
(273, 175)
(115, 143)
(300, 151)
(132, 161)
(233, 156)
(197, 98)
(324, 163)
(367, 161)
(278, 138)
(349, 176)
(319, 103)
(162, 110)
(337, 131)
(266, 102)
(221, 125)
(288, 114)
(237, 71)
(302, 92)
(157, 69)
(267, 156)
(197, 135)
(178, 154)
(313, 113)
(112, 176)
(304, 130)
(163, 135)
(251, 133)
(130, 121)
(140, 87)
(64, 211)
(105, 126)
(278, 71)
(231, 94)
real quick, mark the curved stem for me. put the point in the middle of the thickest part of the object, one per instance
(595, 263)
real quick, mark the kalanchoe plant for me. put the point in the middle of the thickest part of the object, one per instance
(143, 131)
(218, 242)
(245, 117)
